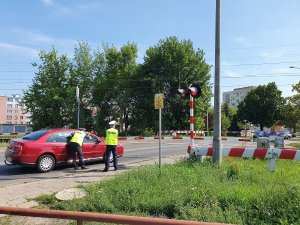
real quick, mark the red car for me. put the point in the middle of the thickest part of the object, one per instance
(47, 148)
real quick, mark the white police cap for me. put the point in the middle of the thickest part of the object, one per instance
(112, 122)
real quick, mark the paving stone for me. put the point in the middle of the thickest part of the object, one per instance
(71, 193)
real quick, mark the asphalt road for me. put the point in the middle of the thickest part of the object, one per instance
(135, 151)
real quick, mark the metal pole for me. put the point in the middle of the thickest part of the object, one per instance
(217, 149)
(78, 106)
(159, 140)
(207, 122)
(192, 119)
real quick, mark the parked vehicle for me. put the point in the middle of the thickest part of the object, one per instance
(45, 149)
(285, 135)
(259, 134)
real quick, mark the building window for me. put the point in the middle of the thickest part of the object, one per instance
(8, 117)
(16, 117)
(21, 117)
(9, 111)
(10, 99)
(16, 111)
(9, 105)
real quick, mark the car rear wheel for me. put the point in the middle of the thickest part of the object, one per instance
(45, 163)
(111, 158)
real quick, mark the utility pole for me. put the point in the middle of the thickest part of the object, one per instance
(217, 145)
(78, 107)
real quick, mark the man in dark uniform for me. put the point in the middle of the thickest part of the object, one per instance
(111, 141)
(76, 147)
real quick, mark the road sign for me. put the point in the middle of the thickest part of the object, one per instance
(159, 101)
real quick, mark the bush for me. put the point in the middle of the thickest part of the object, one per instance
(148, 132)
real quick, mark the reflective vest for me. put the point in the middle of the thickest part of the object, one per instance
(78, 137)
(111, 136)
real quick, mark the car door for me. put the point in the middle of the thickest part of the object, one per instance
(60, 146)
(93, 148)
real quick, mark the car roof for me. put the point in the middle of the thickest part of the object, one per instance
(58, 129)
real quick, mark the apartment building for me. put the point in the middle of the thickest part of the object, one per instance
(12, 112)
(233, 98)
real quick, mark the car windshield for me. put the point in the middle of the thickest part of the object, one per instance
(35, 135)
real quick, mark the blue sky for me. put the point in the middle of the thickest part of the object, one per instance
(260, 39)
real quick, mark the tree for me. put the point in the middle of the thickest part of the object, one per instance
(262, 106)
(48, 96)
(114, 84)
(168, 65)
(228, 118)
(82, 76)
(291, 110)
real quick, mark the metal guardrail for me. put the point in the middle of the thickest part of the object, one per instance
(80, 217)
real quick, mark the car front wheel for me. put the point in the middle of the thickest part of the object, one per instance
(45, 163)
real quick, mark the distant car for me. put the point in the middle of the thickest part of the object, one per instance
(45, 149)
(285, 135)
(259, 134)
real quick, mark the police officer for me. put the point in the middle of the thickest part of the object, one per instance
(76, 147)
(111, 142)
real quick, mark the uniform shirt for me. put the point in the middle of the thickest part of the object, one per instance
(78, 137)
(111, 136)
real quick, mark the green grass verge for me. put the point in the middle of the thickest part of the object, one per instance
(295, 145)
(240, 191)
(3, 144)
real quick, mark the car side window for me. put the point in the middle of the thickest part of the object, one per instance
(92, 140)
(61, 137)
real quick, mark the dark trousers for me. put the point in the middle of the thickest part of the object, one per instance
(111, 149)
(76, 150)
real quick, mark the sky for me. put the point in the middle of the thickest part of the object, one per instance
(260, 39)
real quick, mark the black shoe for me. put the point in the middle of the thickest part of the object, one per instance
(84, 168)
(115, 169)
(76, 168)
(105, 170)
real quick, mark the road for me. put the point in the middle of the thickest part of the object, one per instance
(135, 151)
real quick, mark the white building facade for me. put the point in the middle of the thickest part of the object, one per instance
(233, 98)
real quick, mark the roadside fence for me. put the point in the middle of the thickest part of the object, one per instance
(80, 217)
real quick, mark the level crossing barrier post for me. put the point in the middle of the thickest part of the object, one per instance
(263, 153)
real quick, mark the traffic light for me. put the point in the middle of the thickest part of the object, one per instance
(194, 90)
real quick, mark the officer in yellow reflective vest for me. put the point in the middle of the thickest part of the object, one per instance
(111, 141)
(76, 147)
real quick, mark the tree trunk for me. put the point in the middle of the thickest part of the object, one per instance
(261, 127)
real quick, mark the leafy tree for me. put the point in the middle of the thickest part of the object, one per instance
(225, 123)
(262, 106)
(228, 118)
(114, 84)
(291, 110)
(168, 65)
(82, 76)
(48, 97)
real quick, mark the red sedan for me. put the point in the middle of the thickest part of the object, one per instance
(47, 148)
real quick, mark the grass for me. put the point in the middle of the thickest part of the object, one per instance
(295, 145)
(239, 191)
(3, 144)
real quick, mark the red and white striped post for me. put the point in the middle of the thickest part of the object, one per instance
(192, 119)
(194, 91)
